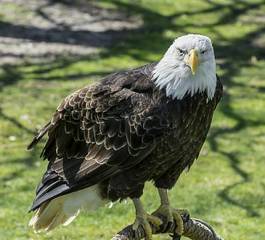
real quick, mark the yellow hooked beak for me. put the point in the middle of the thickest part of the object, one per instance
(193, 61)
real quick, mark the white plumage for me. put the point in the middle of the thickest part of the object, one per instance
(64, 209)
(173, 73)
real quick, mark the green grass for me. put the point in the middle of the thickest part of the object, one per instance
(225, 187)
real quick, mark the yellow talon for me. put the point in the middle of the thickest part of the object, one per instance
(171, 215)
(155, 221)
(144, 221)
(165, 211)
(179, 221)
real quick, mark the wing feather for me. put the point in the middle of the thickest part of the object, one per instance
(99, 131)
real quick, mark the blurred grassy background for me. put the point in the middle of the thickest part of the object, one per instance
(225, 187)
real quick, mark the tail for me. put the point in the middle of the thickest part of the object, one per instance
(39, 135)
(64, 209)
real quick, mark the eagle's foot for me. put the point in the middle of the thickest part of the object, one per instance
(169, 215)
(144, 221)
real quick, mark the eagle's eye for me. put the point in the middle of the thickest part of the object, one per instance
(203, 51)
(181, 52)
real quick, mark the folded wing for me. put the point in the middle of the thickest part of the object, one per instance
(97, 132)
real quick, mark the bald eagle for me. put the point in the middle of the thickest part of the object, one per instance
(147, 124)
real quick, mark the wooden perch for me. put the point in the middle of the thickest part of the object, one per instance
(194, 229)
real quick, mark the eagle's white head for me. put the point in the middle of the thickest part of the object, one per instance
(187, 67)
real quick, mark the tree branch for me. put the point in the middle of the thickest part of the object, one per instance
(194, 229)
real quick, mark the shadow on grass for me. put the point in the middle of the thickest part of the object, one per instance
(15, 122)
(21, 167)
(150, 37)
(26, 162)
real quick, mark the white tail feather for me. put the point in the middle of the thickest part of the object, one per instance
(64, 209)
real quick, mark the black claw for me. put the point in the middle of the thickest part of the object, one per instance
(169, 226)
(186, 217)
(175, 236)
(136, 234)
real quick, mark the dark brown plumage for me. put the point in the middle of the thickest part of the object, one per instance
(121, 133)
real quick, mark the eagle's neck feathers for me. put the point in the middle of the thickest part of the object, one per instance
(168, 75)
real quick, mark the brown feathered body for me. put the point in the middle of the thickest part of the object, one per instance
(120, 133)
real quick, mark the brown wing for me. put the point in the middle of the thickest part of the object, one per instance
(97, 132)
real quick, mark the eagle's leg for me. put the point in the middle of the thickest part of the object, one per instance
(170, 214)
(144, 220)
